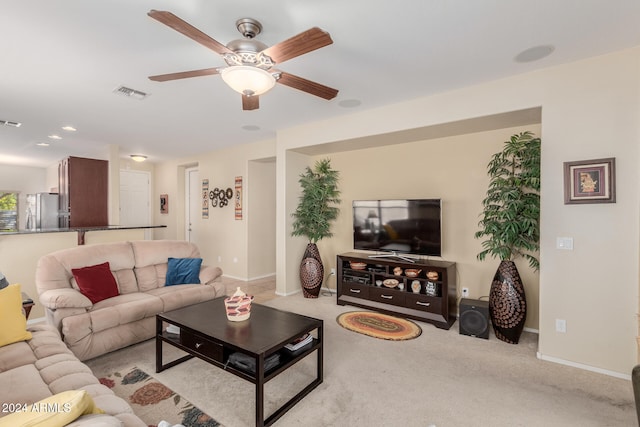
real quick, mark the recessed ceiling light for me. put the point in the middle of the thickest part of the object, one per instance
(69, 128)
(43, 144)
(251, 127)
(53, 136)
(349, 103)
(534, 53)
(138, 157)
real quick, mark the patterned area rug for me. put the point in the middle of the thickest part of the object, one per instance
(154, 402)
(379, 325)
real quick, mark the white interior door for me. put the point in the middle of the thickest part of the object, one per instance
(193, 204)
(135, 199)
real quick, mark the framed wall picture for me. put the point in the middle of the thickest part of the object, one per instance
(164, 203)
(590, 181)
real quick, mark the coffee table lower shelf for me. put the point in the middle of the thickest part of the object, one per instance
(220, 355)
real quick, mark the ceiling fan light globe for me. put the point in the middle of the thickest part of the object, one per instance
(246, 79)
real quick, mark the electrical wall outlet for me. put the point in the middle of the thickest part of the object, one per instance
(465, 292)
(333, 271)
(561, 325)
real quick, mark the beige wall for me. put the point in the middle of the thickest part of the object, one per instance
(223, 240)
(590, 109)
(592, 112)
(431, 169)
(259, 209)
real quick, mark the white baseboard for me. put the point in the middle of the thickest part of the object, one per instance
(36, 320)
(582, 366)
(264, 276)
(287, 294)
(333, 291)
(244, 279)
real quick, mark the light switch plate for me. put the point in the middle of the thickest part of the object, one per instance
(565, 243)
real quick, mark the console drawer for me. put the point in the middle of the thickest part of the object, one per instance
(201, 345)
(355, 290)
(388, 296)
(425, 303)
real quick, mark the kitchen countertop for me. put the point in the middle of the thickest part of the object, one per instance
(80, 230)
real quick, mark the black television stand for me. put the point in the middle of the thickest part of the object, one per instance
(423, 290)
(394, 255)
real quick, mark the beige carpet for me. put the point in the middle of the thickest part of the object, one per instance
(440, 378)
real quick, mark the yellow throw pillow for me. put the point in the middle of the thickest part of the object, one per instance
(57, 410)
(13, 324)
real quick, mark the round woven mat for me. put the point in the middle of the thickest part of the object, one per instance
(379, 325)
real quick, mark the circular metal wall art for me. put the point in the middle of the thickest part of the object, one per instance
(220, 197)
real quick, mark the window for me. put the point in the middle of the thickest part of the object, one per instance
(8, 211)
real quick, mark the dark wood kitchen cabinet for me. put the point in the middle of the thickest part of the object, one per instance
(83, 185)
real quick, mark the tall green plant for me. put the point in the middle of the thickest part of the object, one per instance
(316, 209)
(511, 216)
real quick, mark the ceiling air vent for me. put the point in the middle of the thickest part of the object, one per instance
(131, 93)
(10, 123)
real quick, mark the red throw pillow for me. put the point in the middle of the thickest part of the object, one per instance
(96, 282)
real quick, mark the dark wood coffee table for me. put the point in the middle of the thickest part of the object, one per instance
(206, 333)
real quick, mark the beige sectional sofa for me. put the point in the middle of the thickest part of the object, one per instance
(43, 366)
(139, 268)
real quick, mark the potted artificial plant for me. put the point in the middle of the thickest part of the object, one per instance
(312, 219)
(511, 225)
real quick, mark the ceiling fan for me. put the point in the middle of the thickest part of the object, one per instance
(250, 62)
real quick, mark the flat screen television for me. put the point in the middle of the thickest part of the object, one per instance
(398, 226)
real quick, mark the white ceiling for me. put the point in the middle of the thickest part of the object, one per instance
(60, 61)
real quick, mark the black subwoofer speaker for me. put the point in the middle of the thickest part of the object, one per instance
(474, 318)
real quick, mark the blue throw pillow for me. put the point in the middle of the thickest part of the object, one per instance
(183, 271)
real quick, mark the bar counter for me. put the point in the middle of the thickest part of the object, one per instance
(80, 230)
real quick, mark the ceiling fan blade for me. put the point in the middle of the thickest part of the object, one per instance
(171, 20)
(250, 102)
(307, 86)
(305, 42)
(184, 75)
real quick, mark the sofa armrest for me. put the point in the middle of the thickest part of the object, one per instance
(64, 298)
(210, 274)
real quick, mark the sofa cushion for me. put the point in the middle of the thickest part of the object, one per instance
(126, 279)
(53, 271)
(13, 324)
(96, 282)
(110, 313)
(22, 385)
(150, 252)
(151, 258)
(178, 296)
(183, 271)
(96, 344)
(151, 276)
(68, 405)
(17, 354)
(98, 420)
(35, 369)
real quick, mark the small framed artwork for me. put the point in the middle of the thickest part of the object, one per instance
(590, 181)
(164, 203)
